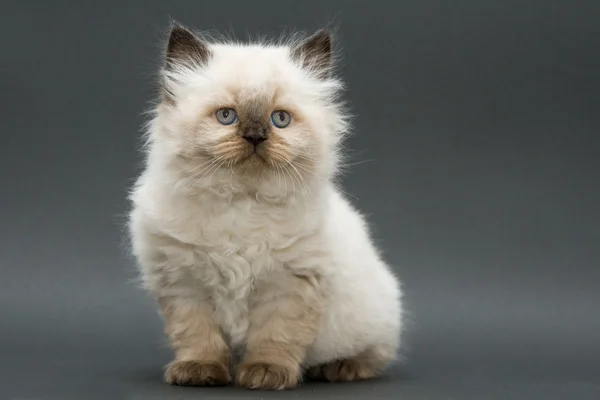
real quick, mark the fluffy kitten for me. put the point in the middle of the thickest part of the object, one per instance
(256, 261)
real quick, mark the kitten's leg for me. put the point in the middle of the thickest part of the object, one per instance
(284, 319)
(368, 364)
(201, 354)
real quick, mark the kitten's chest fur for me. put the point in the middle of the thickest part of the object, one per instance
(232, 247)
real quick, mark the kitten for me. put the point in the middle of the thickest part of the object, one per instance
(256, 261)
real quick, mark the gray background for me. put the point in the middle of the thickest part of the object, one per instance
(478, 161)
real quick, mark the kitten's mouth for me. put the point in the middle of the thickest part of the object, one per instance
(248, 157)
(254, 156)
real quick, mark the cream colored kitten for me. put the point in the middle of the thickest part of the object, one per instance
(240, 233)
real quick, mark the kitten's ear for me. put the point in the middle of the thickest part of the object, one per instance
(315, 53)
(185, 47)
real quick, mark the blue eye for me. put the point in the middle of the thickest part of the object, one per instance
(226, 116)
(281, 118)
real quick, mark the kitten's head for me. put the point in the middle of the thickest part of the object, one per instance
(252, 113)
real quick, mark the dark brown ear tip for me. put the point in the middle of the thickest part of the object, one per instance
(321, 41)
(327, 34)
(175, 24)
(179, 33)
(318, 43)
(315, 52)
(323, 35)
(184, 45)
(179, 29)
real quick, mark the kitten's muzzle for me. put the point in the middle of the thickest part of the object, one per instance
(255, 136)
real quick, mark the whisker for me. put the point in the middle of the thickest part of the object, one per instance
(300, 178)
(288, 172)
(262, 176)
(208, 169)
(355, 163)
(194, 170)
(232, 174)
(213, 173)
(280, 176)
(299, 165)
(302, 183)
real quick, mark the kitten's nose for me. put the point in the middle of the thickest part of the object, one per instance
(255, 137)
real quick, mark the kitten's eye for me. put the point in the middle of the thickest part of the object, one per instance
(281, 119)
(226, 116)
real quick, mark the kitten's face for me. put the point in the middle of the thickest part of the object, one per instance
(245, 114)
(251, 109)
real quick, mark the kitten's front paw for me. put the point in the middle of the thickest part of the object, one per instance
(197, 373)
(263, 376)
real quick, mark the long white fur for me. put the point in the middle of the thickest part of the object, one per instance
(206, 235)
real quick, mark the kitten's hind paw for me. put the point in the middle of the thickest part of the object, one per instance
(342, 371)
(197, 373)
